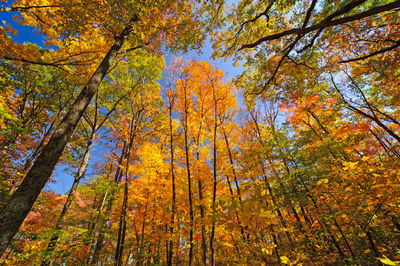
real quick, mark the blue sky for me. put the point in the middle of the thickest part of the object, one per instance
(63, 180)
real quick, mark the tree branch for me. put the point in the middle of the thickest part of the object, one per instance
(324, 24)
(23, 8)
(372, 54)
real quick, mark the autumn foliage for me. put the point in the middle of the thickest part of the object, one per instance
(173, 162)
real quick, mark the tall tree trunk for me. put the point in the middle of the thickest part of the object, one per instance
(325, 225)
(90, 240)
(201, 197)
(236, 182)
(233, 166)
(71, 194)
(267, 183)
(139, 257)
(189, 181)
(170, 246)
(100, 237)
(125, 153)
(212, 248)
(326, 131)
(278, 257)
(122, 227)
(18, 206)
(203, 227)
(371, 242)
(122, 223)
(276, 205)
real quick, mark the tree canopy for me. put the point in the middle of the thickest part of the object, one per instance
(293, 161)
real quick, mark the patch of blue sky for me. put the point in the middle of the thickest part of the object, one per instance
(25, 34)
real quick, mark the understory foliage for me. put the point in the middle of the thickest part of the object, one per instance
(294, 161)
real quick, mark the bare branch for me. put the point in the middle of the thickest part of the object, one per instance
(308, 14)
(290, 47)
(316, 35)
(325, 23)
(59, 63)
(372, 54)
(23, 8)
(264, 13)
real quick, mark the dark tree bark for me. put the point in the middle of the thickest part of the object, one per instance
(170, 245)
(122, 228)
(201, 197)
(189, 180)
(214, 198)
(122, 223)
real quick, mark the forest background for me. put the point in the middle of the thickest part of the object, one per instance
(294, 160)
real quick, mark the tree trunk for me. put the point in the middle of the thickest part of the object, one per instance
(267, 183)
(276, 205)
(214, 198)
(101, 225)
(90, 238)
(170, 246)
(71, 194)
(21, 202)
(326, 226)
(100, 237)
(237, 185)
(122, 223)
(122, 227)
(201, 197)
(278, 257)
(189, 182)
(371, 242)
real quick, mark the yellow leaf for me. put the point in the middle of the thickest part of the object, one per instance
(228, 244)
(353, 165)
(285, 260)
(266, 251)
(349, 165)
(388, 261)
(324, 181)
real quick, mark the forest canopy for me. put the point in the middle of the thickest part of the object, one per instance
(295, 160)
